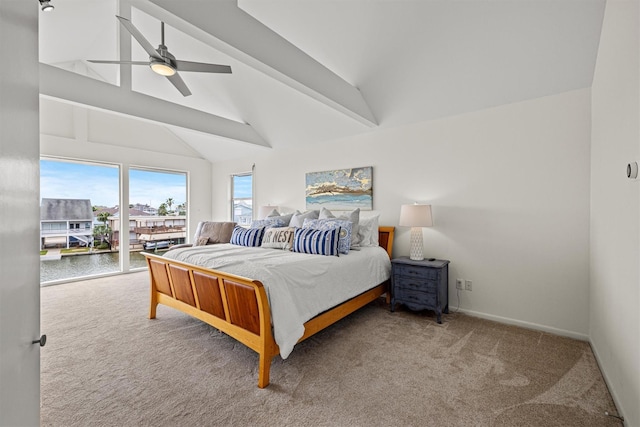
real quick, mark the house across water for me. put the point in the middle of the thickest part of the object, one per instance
(66, 223)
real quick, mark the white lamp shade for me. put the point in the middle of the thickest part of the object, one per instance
(265, 210)
(415, 216)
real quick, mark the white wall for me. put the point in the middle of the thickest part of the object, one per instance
(615, 208)
(73, 141)
(510, 193)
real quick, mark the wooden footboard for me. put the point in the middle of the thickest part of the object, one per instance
(238, 306)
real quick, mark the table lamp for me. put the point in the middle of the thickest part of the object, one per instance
(416, 216)
(265, 210)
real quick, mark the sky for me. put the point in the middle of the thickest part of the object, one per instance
(242, 186)
(99, 183)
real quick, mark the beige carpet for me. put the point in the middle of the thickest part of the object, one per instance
(106, 364)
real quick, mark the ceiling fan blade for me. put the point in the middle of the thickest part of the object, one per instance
(201, 67)
(177, 81)
(119, 62)
(139, 37)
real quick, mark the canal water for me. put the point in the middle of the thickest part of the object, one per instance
(86, 265)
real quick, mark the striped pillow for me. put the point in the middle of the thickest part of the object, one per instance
(316, 242)
(345, 227)
(247, 236)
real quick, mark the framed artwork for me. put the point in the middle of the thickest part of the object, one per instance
(341, 189)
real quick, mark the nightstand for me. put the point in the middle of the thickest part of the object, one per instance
(420, 285)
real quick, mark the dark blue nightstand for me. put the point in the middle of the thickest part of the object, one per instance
(420, 285)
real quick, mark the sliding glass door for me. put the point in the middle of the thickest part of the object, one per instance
(76, 201)
(81, 217)
(157, 212)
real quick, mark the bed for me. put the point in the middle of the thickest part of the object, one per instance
(240, 306)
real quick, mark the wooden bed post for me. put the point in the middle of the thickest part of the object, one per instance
(264, 367)
(153, 301)
(268, 346)
(153, 306)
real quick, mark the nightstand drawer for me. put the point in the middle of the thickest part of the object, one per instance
(414, 284)
(415, 271)
(416, 298)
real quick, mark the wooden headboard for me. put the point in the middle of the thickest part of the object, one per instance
(385, 237)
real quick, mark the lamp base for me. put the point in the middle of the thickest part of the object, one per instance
(416, 253)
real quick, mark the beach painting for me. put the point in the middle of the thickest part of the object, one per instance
(342, 189)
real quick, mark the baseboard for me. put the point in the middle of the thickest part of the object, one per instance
(528, 325)
(93, 276)
(612, 391)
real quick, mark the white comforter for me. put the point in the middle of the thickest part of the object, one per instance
(299, 286)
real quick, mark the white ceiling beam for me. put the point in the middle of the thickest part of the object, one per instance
(124, 47)
(58, 83)
(227, 28)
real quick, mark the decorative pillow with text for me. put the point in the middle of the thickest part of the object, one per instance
(279, 238)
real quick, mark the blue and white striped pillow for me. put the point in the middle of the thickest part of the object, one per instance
(247, 236)
(316, 242)
(328, 223)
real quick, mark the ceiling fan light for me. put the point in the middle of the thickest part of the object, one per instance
(162, 68)
(46, 6)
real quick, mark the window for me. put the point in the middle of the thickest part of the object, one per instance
(157, 212)
(81, 210)
(71, 193)
(242, 198)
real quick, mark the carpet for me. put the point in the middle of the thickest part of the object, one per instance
(107, 364)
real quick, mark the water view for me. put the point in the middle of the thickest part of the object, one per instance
(78, 217)
(86, 265)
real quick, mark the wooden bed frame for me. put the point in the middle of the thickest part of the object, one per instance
(238, 306)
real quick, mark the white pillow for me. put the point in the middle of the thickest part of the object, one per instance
(368, 231)
(286, 218)
(297, 218)
(352, 216)
(274, 212)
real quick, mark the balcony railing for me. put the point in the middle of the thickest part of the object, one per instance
(70, 232)
(158, 229)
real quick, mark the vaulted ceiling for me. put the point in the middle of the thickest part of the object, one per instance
(306, 71)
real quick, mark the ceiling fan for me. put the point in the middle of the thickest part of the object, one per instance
(164, 63)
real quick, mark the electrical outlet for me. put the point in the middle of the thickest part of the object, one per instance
(467, 285)
(459, 284)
